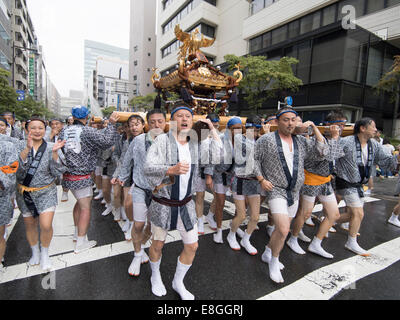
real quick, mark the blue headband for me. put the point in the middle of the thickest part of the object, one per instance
(252, 125)
(266, 121)
(215, 120)
(234, 121)
(181, 108)
(287, 111)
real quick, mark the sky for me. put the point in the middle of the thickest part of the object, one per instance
(61, 27)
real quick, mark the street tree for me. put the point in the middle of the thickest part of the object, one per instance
(145, 103)
(263, 78)
(108, 111)
(390, 83)
(8, 96)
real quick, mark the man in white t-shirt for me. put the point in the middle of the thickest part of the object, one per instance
(171, 165)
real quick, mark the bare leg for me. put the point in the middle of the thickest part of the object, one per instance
(2, 242)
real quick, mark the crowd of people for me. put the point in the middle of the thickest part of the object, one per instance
(154, 177)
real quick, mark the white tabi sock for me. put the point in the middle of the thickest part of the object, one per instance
(177, 283)
(270, 230)
(134, 268)
(274, 270)
(45, 262)
(200, 224)
(309, 222)
(245, 243)
(294, 245)
(211, 221)
(303, 237)
(117, 214)
(232, 241)
(108, 210)
(267, 256)
(123, 214)
(394, 220)
(218, 237)
(157, 285)
(353, 246)
(35, 259)
(315, 247)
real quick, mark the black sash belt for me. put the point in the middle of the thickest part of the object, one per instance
(172, 203)
(240, 184)
(202, 173)
(35, 162)
(148, 195)
(292, 180)
(343, 184)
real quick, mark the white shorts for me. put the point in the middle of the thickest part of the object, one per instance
(321, 198)
(353, 200)
(191, 237)
(29, 214)
(243, 197)
(98, 172)
(220, 188)
(201, 186)
(280, 206)
(83, 193)
(140, 212)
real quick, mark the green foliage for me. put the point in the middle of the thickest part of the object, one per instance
(8, 96)
(390, 81)
(143, 102)
(108, 111)
(263, 78)
(22, 109)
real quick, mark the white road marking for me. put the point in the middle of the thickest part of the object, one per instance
(61, 249)
(325, 283)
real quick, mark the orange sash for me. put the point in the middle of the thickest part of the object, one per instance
(315, 180)
(13, 168)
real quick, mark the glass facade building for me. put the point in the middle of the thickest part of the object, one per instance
(338, 67)
(5, 35)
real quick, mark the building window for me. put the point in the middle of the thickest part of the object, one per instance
(170, 25)
(135, 63)
(149, 39)
(328, 52)
(279, 35)
(375, 5)
(329, 15)
(134, 78)
(392, 3)
(359, 5)
(258, 5)
(205, 29)
(256, 44)
(294, 29)
(149, 54)
(135, 48)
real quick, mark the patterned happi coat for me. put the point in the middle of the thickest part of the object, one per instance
(205, 160)
(47, 173)
(133, 166)
(221, 161)
(8, 155)
(81, 151)
(347, 168)
(267, 155)
(119, 153)
(162, 155)
(323, 168)
(245, 167)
